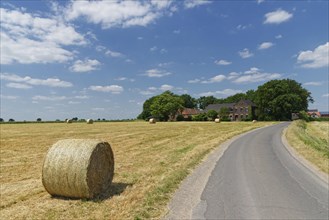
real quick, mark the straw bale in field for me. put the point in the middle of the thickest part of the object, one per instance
(217, 120)
(152, 121)
(90, 121)
(254, 121)
(78, 168)
(69, 121)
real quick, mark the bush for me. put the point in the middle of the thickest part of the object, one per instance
(200, 117)
(180, 118)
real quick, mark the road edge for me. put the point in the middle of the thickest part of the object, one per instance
(187, 197)
(307, 164)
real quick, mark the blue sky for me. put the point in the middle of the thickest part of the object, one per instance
(103, 59)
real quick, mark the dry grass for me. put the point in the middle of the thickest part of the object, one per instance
(311, 140)
(151, 161)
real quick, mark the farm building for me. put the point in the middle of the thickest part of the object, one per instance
(314, 113)
(242, 110)
(189, 112)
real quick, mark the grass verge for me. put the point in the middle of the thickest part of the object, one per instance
(150, 163)
(311, 140)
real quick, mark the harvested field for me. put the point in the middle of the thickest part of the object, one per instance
(150, 162)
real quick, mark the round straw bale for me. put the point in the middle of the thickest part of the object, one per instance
(254, 121)
(90, 121)
(69, 121)
(152, 121)
(217, 120)
(78, 168)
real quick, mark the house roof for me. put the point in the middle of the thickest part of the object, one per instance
(246, 102)
(217, 107)
(190, 111)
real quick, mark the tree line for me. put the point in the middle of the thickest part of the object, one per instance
(275, 100)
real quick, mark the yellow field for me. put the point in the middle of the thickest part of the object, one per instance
(150, 162)
(311, 140)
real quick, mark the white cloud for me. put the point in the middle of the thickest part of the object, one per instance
(278, 36)
(156, 73)
(222, 62)
(48, 98)
(195, 3)
(28, 81)
(124, 79)
(114, 89)
(152, 49)
(222, 93)
(8, 97)
(313, 84)
(85, 66)
(243, 27)
(215, 79)
(254, 75)
(260, 1)
(18, 86)
(315, 59)
(325, 95)
(118, 13)
(166, 87)
(245, 53)
(114, 54)
(81, 97)
(265, 45)
(194, 81)
(277, 17)
(29, 38)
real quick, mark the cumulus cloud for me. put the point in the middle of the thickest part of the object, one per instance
(156, 73)
(114, 54)
(277, 17)
(48, 98)
(8, 97)
(27, 81)
(166, 87)
(245, 53)
(313, 84)
(29, 38)
(194, 81)
(18, 86)
(114, 89)
(85, 66)
(119, 13)
(265, 45)
(222, 93)
(223, 62)
(215, 79)
(254, 75)
(194, 3)
(315, 59)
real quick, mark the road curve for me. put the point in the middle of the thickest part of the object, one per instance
(257, 178)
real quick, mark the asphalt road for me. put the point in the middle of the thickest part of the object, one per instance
(257, 178)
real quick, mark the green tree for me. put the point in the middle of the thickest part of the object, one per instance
(224, 113)
(166, 105)
(39, 119)
(146, 113)
(212, 114)
(188, 101)
(204, 101)
(277, 99)
(235, 98)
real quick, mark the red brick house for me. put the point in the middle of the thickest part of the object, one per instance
(242, 110)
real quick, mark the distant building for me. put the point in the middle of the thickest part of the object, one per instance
(242, 110)
(324, 114)
(189, 112)
(314, 113)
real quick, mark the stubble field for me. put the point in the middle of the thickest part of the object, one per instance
(150, 162)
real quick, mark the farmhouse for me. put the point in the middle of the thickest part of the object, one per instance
(189, 112)
(242, 110)
(314, 113)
